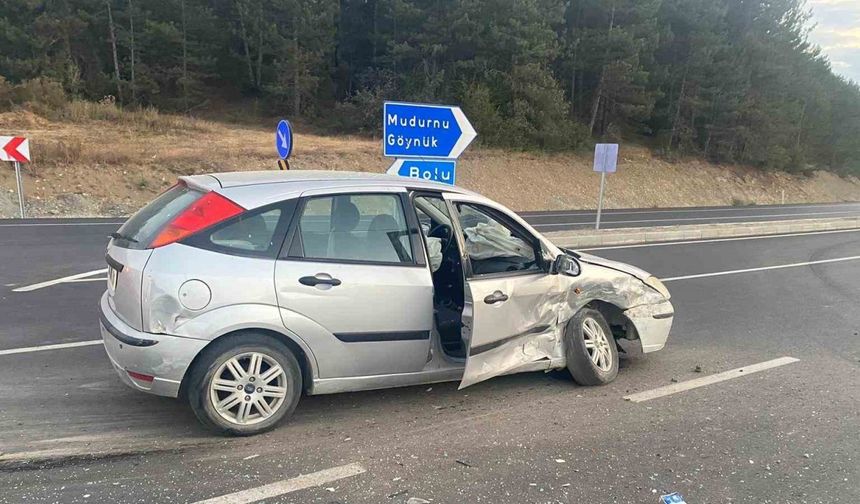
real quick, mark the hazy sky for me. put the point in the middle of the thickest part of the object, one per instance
(838, 34)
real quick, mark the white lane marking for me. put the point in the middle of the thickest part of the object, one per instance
(24, 224)
(680, 210)
(78, 280)
(763, 268)
(43, 348)
(287, 486)
(712, 240)
(42, 285)
(683, 219)
(708, 380)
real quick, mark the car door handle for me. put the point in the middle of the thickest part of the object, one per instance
(496, 297)
(317, 280)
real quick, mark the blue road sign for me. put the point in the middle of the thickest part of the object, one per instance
(439, 170)
(424, 131)
(672, 498)
(284, 139)
(605, 158)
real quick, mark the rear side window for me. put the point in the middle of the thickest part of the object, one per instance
(139, 231)
(256, 233)
(357, 227)
(249, 233)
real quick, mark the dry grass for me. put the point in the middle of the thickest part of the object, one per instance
(117, 160)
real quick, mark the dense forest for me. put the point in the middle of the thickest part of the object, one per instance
(730, 80)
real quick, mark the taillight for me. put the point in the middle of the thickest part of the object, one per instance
(209, 210)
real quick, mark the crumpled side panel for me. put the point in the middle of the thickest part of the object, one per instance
(548, 311)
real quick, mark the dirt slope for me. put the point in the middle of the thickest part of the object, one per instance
(111, 167)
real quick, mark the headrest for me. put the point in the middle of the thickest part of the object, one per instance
(345, 217)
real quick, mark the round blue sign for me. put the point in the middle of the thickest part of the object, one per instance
(284, 139)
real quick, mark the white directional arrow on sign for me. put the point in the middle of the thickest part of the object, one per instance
(468, 133)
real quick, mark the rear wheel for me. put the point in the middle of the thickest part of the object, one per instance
(245, 384)
(592, 356)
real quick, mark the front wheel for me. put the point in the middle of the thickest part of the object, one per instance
(592, 356)
(245, 384)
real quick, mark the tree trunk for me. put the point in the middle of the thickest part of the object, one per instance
(131, 41)
(245, 41)
(595, 105)
(678, 110)
(260, 46)
(598, 94)
(800, 127)
(112, 30)
(184, 58)
(297, 91)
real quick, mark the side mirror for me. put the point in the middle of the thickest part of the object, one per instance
(565, 265)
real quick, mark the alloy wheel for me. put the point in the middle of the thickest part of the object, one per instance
(597, 344)
(248, 388)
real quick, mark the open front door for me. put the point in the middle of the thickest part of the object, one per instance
(513, 326)
(510, 317)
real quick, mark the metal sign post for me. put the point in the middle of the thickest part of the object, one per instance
(605, 161)
(20, 187)
(600, 199)
(16, 150)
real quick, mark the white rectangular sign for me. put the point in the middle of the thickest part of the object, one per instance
(605, 158)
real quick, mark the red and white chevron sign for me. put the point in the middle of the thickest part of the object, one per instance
(14, 149)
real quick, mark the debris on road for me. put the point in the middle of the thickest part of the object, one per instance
(463, 463)
(249, 457)
(698, 368)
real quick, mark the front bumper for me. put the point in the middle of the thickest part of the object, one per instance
(165, 358)
(653, 323)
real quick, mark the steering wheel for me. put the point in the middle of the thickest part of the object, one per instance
(447, 238)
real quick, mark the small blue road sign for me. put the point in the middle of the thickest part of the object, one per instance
(605, 158)
(424, 131)
(284, 139)
(439, 170)
(672, 498)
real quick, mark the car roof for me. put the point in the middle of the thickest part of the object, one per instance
(310, 179)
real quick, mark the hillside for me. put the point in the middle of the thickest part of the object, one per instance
(112, 166)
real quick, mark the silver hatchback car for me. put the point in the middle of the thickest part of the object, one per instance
(240, 291)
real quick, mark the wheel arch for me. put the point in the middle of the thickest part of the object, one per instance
(620, 325)
(303, 355)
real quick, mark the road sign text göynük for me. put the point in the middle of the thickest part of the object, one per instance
(425, 131)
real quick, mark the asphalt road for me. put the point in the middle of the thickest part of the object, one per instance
(784, 435)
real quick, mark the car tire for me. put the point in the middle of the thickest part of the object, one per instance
(264, 388)
(586, 334)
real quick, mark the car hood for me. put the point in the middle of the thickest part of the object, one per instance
(615, 265)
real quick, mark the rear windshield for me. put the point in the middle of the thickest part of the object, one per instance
(139, 231)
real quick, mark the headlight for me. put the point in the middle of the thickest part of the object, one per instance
(658, 286)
